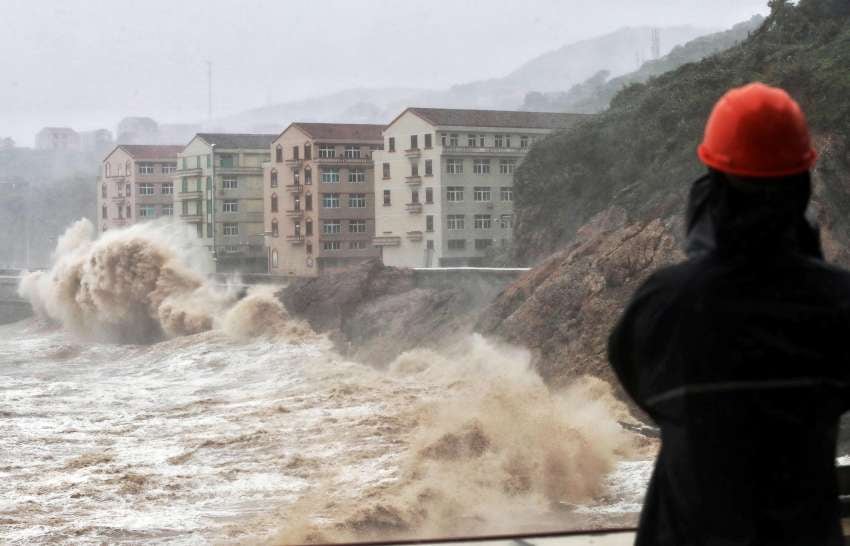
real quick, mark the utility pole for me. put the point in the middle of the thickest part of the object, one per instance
(209, 90)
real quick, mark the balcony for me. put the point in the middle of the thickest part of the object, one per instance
(118, 222)
(294, 213)
(414, 236)
(413, 153)
(235, 169)
(295, 188)
(185, 195)
(413, 180)
(295, 239)
(342, 160)
(191, 217)
(485, 150)
(119, 197)
(197, 171)
(413, 208)
(387, 241)
(294, 163)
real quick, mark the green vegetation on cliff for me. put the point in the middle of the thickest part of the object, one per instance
(640, 153)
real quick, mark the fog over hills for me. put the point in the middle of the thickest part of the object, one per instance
(618, 52)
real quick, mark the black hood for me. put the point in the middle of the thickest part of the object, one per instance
(735, 217)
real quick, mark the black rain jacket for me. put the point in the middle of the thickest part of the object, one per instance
(741, 355)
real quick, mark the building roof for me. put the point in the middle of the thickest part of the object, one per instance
(495, 118)
(232, 141)
(151, 151)
(363, 132)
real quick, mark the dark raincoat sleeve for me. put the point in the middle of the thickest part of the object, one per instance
(628, 344)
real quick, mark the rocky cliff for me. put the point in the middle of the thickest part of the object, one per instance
(600, 206)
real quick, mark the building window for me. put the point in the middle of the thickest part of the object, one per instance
(483, 244)
(278, 154)
(523, 141)
(428, 141)
(506, 221)
(107, 170)
(482, 221)
(275, 228)
(471, 140)
(274, 258)
(226, 161)
(330, 200)
(429, 244)
(414, 142)
(308, 201)
(230, 205)
(387, 201)
(414, 169)
(386, 171)
(481, 166)
(326, 151)
(429, 196)
(457, 244)
(184, 185)
(147, 211)
(330, 176)
(429, 167)
(506, 193)
(128, 189)
(308, 176)
(167, 188)
(129, 212)
(429, 223)
(357, 176)
(352, 151)
(507, 141)
(331, 227)
(273, 179)
(145, 169)
(454, 221)
(444, 139)
(169, 169)
(506, 166)
(294, 152)
(128, 168)
(357, 200)
(499, 141)
(146, 188)
(308, 227)
(103, 212)
(168, 209)
(296, 178)
(103, 190)
(454, 166)
(231, 229)
(453, 140)
(391, 144)
(209, 184)
(230, 183)
(308, 151)
(331, 245)
(481, 194)
(309, 248)
(357, 226)
(357, 245)
(414, 196)
(454, 194)
(274, 202)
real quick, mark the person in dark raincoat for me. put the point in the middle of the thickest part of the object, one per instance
(741, 354)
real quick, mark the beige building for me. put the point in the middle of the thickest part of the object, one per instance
(320, 197)
(136, 184)
(445, 182)
(219, 191)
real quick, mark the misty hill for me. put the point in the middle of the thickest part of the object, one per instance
(617, 52)
(600, 206)
(595, 94)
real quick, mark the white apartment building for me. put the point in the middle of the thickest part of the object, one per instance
(444, 182)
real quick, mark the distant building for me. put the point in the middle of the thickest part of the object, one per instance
(137, 130)
(6, 143)
(57, 138)
(445, 188)
(320, 197)
(136, 184)
(98, 140)
(219, 190)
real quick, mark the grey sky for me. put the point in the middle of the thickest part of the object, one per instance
(88, 63)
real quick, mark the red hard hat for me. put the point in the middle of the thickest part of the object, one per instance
(757, 131)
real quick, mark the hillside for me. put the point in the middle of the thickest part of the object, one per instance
(600, 206)
(562, 68)
(594, 94)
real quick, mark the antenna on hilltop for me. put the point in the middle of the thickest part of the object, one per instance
(656, 43)
(209, 90)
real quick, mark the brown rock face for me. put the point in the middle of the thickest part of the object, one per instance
(565, 308)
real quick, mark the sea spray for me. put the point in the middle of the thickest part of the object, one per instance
(495, 441)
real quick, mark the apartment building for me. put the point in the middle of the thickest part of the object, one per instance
(445, 182)
(320, 197)
(57, 138)
(219, 190)
(136, 184)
